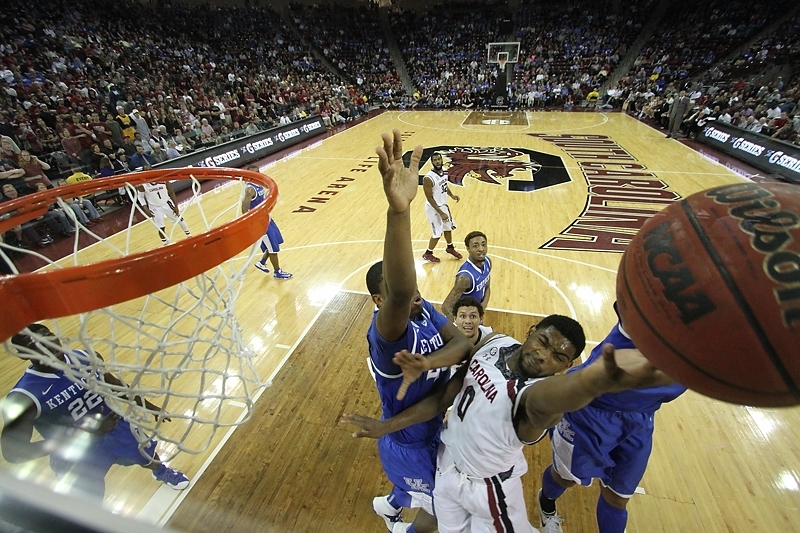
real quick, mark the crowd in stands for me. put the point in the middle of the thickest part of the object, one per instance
(352, 40)
(569, 50)
(103, 87)
(694, 35)
(92, 84)
(734, 91)
(778, 47)
(770, 109)
(445, 53)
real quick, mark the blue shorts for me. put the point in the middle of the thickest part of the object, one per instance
(118, 446)
(412, 470)
(612, 446)
(272, 240)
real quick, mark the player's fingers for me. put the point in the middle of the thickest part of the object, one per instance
(349, 419)
(401, 392)
(402, 355)
(387, 147)
(608, 357)
(416, 156)
(383, 161)
(398, 145)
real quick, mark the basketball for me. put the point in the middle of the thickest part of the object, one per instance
(709, 291)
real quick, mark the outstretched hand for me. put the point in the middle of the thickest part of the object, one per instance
(627, 369)
(370, 428)
(400, 182)
(413, 365)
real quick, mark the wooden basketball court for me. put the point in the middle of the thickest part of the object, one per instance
(558, 195)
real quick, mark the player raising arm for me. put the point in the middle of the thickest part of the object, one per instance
(502, 399)
(405, 322)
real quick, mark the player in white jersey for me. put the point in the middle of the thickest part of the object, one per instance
(435, 185)
(500, 403)
(158, 201)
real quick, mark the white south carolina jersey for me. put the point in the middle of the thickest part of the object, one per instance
(439, 186)
(156, 194)
(479, 433)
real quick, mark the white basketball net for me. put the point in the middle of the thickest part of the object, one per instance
(180, 348)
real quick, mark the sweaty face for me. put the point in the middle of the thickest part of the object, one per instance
(477, 249)
(545, 352)
(467, 320)
(436, 161)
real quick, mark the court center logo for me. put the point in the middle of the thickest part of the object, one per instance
(521, 169)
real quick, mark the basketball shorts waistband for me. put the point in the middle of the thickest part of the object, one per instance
(416, 444)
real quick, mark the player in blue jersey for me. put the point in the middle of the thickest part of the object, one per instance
(81, 434)
(405, 323)
(472, 279)
(610, 439)
(255, 195)
(505, 398)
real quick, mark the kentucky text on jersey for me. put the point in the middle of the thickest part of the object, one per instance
(422, 337)
(64, 395)
(427, 346)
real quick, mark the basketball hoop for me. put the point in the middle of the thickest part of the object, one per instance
(162, 319)
(502, 64)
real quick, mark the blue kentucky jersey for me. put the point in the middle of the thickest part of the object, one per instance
(59, 400)
(260, 196)
(647, 400)
(479, 277)
(422, 336)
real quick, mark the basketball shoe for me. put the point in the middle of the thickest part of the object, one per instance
(452, 251)
(170, 477)
(262, 267)
(384, 509)
(551, 522)
(282, 274)
(428, 256)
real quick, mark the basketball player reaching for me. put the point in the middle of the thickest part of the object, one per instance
(254, 195)
(502, 400)
(158, 201)
(69, 417)
(404, 321)
(472, 279)
(610, 439)
(435, 185)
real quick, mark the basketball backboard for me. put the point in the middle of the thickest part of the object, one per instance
(507, 51)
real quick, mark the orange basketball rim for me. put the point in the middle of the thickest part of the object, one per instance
(30, 297)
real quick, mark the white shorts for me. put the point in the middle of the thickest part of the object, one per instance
(437, 224)
(162, 211)
(475, 505)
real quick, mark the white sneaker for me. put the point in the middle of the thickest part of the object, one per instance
(400, 527)
(384, 509)
(551, 523)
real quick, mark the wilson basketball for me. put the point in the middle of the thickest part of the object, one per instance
(709, 291)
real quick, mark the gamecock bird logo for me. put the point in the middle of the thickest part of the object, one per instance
(486, 164)
(521, 169)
